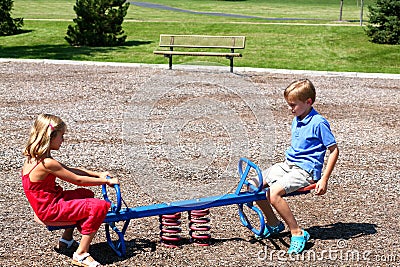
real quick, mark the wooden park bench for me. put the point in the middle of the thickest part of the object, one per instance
(192, 44)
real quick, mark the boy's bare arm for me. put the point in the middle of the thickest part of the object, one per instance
(322, 185)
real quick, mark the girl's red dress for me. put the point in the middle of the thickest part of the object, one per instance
(52, 204)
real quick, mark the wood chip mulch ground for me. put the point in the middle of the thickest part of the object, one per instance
(171, 135)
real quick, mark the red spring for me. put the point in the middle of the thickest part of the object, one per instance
(170, 229)
(198, 225)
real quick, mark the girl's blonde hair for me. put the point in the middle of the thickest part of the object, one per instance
(301, 90)
(44, 128)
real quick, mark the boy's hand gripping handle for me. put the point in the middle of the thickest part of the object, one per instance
(114, 207)
(255, 189)
(244, 173)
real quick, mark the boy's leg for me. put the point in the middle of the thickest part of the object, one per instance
(292, 179)
(299, 236)
(274, 226)
(276, 194)
(264, 205)
(270, 175)
(269, 214)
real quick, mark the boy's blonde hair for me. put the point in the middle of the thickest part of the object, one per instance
(44, 128)
(301, 90)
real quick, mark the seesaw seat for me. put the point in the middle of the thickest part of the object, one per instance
(54, 225)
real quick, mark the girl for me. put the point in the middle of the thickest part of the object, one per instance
(53, 205)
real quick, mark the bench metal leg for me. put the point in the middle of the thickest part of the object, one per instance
(231, 63)
(169, 61)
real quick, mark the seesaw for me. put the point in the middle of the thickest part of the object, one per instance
(169, 213)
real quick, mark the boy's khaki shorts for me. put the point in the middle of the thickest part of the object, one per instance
(289, 176)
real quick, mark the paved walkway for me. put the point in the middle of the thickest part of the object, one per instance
(217, 14)
(213, 68)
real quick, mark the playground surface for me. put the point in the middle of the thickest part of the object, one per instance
(171, 135)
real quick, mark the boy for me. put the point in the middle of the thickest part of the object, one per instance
(311, 137)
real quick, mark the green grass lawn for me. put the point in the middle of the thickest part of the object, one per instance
(317, 9)
(314, 9)
(320, 44)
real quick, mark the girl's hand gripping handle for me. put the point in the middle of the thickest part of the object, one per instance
(115, 207)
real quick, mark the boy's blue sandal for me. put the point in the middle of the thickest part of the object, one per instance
(270, 231)
(298, 243)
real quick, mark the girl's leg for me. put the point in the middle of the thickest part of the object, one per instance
(67, 244)
(79, 193)
(85, 243)
(82, 253)
(68, 234)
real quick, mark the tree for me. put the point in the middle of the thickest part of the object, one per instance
(98, 23)
(8, 25)
(384, 19)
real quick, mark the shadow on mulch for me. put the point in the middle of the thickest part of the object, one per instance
(105, 255)
(327, 232)
(341, 230)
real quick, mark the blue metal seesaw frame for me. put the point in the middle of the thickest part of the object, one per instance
(240, 197)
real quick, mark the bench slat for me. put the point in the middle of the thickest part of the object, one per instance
(202, 41)
(188, 53)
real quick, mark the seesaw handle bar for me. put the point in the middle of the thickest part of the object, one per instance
(244, 173)
(252, 188)
(115, 207)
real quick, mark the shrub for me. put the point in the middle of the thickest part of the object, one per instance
(8, 25)
(98, 23)
(384, 18)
